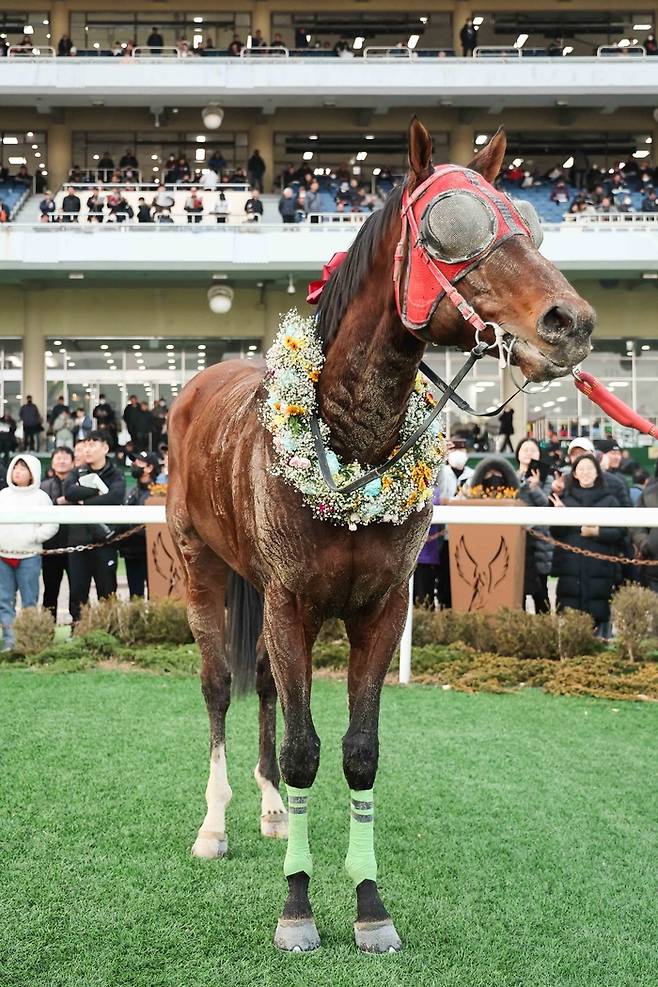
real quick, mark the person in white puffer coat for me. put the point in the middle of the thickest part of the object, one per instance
(20, 563)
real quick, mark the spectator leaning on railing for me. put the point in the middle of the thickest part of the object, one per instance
(586, 583)
(20, 544)
(97, 483)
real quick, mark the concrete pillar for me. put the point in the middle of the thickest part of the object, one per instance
(261, 18)
(460, 14)
(34, 357)
(261, 138)
(59, 154)
(461, 143)
(59, 22)
(518, 404)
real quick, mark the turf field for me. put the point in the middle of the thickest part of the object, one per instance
(516, 841)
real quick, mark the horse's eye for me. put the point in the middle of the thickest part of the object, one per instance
(528, 214)
(457, 226)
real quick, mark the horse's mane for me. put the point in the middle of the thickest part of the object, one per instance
(347, 279)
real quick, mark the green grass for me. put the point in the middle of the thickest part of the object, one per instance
(516, 841)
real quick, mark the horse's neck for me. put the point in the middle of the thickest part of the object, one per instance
(366, 381)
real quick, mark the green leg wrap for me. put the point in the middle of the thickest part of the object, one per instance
(360, 862)
(298, 854)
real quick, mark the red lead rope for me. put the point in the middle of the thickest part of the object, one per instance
(613, 406)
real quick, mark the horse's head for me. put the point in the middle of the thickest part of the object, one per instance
(463, 239)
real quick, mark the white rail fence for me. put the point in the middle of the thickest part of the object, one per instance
(509, 516)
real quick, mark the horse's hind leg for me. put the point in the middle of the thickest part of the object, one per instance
(274, 818)
(207, 576)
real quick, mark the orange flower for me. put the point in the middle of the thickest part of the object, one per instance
(412, 498)
(430, 399)
(296, 409)
(277, 406)
(314, 375)
(422, 476)
(292, 344)
(386, 481)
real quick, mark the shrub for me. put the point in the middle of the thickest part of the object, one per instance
(73, 651)
(34, 630)
(137, 621)
(635, 615)
(513, 633)
(101, 644)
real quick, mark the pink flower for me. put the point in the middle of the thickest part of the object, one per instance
(300, 462)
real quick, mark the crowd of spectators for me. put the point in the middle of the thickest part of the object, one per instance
(586, 188)
(140, 426)
(578, 473)
(91, 458)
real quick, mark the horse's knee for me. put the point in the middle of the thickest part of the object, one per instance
(300, 757)
(360, 759)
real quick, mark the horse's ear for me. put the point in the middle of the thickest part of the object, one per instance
(489, 161)
(420, 153)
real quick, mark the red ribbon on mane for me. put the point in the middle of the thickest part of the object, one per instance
(316, 288)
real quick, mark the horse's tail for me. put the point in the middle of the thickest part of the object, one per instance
(244, 606)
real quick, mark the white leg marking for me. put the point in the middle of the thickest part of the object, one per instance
(274, 817)
(211, 838)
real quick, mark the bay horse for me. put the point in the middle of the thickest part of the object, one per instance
(228, 514)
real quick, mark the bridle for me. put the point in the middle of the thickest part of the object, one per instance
(417, 270)
(422, 264)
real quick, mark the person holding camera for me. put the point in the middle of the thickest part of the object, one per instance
(95, 484)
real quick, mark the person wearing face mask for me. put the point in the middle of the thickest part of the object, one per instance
(145, 469)
(583, 583)
(54, 566)
(432, 576)
(21, 544)
(495, 475)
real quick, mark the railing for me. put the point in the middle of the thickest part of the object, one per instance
(168, 51)
(37, 51)
(85, 223)
(275, 51)
(383, 51)
(496, 51)
(88, 185)
(614, 220)
(612, 51)
(569, 517)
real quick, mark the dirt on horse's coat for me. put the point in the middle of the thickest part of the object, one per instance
(227, 512)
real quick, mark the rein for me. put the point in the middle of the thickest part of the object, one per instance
(448, 394)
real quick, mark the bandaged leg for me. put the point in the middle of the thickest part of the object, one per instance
(298, 855)
(360, 862)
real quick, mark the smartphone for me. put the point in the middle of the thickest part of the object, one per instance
(540, 466)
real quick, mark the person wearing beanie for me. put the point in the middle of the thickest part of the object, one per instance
(20, 544)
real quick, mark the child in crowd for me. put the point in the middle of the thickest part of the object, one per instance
(20, 563)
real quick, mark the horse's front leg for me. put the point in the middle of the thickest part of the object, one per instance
(373, 634)
(289, 630)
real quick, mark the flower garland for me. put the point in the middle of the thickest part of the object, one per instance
(294, 364)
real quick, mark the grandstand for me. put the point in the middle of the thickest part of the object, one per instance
(324, 97)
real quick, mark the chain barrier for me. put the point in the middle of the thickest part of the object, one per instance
(588, 553)
(70, 549)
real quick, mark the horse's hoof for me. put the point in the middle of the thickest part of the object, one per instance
(274, 825)
(296, 935)
(377, 937)
(210, 846)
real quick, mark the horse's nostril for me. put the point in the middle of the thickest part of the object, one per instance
(556, 320)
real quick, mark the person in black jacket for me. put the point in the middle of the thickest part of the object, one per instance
(70, 206)
(145, 468)
(583, 583)
(29, 415)
(468, 37)
(53, 567)
(101, 563)
(7, 437)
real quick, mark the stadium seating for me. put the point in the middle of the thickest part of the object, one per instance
(11, 194)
